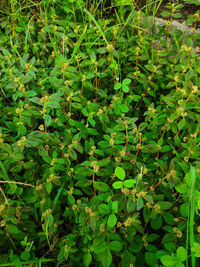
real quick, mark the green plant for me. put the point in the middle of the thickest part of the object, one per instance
(99, 136)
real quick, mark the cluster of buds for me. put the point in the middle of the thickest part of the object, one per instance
(144, 239)
(8, 57)
(70, 96)
(70, 172)
(177, 232)
(53, 162)
(157, 208)
(133, 161)
(151, 110)
(16, 80)
(50, 178)
(72, 144)
(44, 99)
(195, 89)
(141, 194)
(115, 31)
(137, 51)
(172, 173)
(99, 112)
(78, 201)
(183, 69)
(89, 211)
(125, 191)
(2, 208)
(66, 155)
(119, 224)
(1, 139)
(129, 221)
(180, 111)
(136, 73)
(48, 211)
(122, 153)
(115, 98)
(185, 48)
(83, 78)
(67, 83)
(102, 227)
(28, 66)
(3, 223)
(109, 47)
(42, 201)
(112, 141)
(75, 207)
(176, 79)
(39, 187)
(70, 191)
(169, 120)
(18, 213)
(21, 142)
(69, 114)
(91, 153)
(118, 160)
(41, 127)
(95, 166)
(22, 88)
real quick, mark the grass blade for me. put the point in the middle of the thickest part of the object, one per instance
(96, 23)
(5, 175)
(79, 42)
(192, 210)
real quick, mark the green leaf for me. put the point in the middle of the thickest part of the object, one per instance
(136, 98)
(77, 105)
(196, 249)
(49, 187)
(140, 203)
(125, 88)
(117, 86)
(165, 149)
(112, 220)
(129, 183)
(181, 253)
(126, 81)
(152, 237)
(115, 246)
(164, 205)
(25, 255)
(184, 208)
(123, 108)
(120, 173)
(151, 258)
(130, 204)
(101, 186)
(181, 124)
(181, 188)
(156, 223)
(106, 258)
(165, 14)
(103, 209)
(170, 261)
(117, 185)
(151, 148)
(87, 259)
(84, 171)
(12, 229)
(115, 206)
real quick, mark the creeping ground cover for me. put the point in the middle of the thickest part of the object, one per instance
(99, 135)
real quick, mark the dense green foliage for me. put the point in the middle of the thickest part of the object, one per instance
(99, 136)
